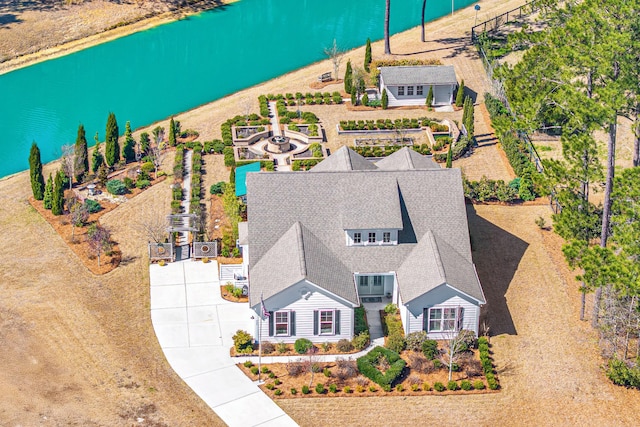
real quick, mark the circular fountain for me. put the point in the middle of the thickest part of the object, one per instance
(278, 144)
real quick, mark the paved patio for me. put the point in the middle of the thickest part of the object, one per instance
(194, 326)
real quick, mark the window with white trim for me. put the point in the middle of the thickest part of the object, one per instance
(419, 90)
(363, 280)
(357, 237)
(386, 237)
(410, 90)
(327, 318)
(372, 237)
(378, 281)
(400, 90)
(445, 319)
(281, 323)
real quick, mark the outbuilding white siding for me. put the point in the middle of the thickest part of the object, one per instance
(304, 299)
(442, 296)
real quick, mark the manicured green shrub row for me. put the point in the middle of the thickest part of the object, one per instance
(384, 124)
(307, 98)
(402, 62)
(386, 150)
(395, 334)
(214, 146)
(367, 366)
(487, 364)
(264, 106)
(621, 373)
(265, 164)
(297, 165)
(196, 179)
(360, 323)
(489, 189)
(178, 164)
(229, 157)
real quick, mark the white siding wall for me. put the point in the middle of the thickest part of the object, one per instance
(364, 235)
(442, 296)
(443, 95)
(293, 300)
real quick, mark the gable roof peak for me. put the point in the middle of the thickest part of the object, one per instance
(344, 159)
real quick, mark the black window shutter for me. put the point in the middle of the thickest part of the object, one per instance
(271, 314)
(336, 328)
(425, 319)
(293, 322)
(315, 322)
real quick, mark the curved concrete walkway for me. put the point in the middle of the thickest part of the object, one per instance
(194, 326)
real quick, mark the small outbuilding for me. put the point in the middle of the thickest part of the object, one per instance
(409, 85)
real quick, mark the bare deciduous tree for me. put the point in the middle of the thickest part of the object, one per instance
(157, 150)
(335, 54)
(78, 214)
(69, 162)
(99, 239)
(153, 226)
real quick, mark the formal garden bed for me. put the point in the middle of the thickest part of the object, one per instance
(393, 125)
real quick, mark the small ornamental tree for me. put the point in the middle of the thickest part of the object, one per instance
(365, 99)
(354, 97)
(57, 201)
(460, 94)
(145, 142)
(429, 101)
(172, 133)
(385, 99)
(35, 170)
(97, 159)
(128, 150)
(99, 239)
(81, 154)
(367, 56)
(78, 215)
(348, 74)
(48, 193)
(112, 150)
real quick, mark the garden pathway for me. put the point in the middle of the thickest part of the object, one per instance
(186, 196)
(194, 327)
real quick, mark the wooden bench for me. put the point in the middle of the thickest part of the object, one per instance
(326, 77)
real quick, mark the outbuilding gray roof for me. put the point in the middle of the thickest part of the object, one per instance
(299, 219)
(344, 159)
(406, 159)
(418, 75)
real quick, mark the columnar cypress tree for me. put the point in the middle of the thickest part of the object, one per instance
(112, 150)
(354, 97)
(450, 156)
(57, 201)
(385, 99)
(468, 116)
(128, 151)
(460, 94)
(429, 100)
(348, 80)
(172, 133)
(365, 99)
(367, 56)
(81, 154)
(35, 171)
(48, 193)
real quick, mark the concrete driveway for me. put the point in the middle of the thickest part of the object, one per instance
(194, 326)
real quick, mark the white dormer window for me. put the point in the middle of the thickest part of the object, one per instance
(357, 237)
(372, 237)
(419, 90)
(386, 237)
(410, 90)
(400, 90)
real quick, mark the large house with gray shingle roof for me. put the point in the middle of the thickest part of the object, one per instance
(409, 85)
(319, 242)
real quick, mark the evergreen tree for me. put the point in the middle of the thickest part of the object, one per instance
(385, 99)
(81, 154)
(48, 193)
(365, 99)
(112, 148)
(354, 96)
(450, 156)
(232, 175)
(468, 116)
(172, 133)
(57, 201)
(367, 56)
(460, 95)
(35, 171)
(348, 74)
(128, 151)
(429, 100)
(145, 143)
(387, 13)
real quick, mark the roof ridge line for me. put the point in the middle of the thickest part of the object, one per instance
(436, 251)
(301, 254)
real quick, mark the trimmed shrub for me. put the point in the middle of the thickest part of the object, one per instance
(218, 188)
(277, 392)
(243, 342)
(254, 370)
(390, 308)
(248, 364)
(275, 381)
(117, 187)
(360, 324)
(426, 387)
(320, 388)
(367, 366)
(400, 387)
(270, 386)
(267, 347)
(395, 343)
(333, 388)
(92, 206)
(294, 391)
(415, 387)
(430, 349)
(361, 340)
(438, 386)
(344, 346)
(385, 99)
(295, 369)
(302, 345)
(265, 370)
(143, 183)
(415, 340)
(466, 385)
(347, 389)
(452, 385)
(282, 347)
(305, 389)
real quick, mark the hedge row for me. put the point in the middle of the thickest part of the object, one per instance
(304, 164)
(388, 124)
(196, 179)
(395, 333)
(264, 164)
(386, 150)
(487, 363)
(306, 98)
(367, 366)
(489, 190)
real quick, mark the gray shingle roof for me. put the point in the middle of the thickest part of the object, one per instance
(406, 159)
(419, 201)
(345, 159)
(419, 75)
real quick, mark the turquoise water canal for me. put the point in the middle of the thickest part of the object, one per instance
(151, 75)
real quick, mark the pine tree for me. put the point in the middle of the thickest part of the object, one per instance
(128, 151)
(81, 154)
(57, 201)
(468, 116)
(145, 143)
(48, 193)
(354, 96)
(460, 95)
(429, 100)
(172, 133)
(365, 99)
(385, 99)
(348, 81)
(112, 150)
(450, 156)
(367, 56)
(35, 170)
(232, 175)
